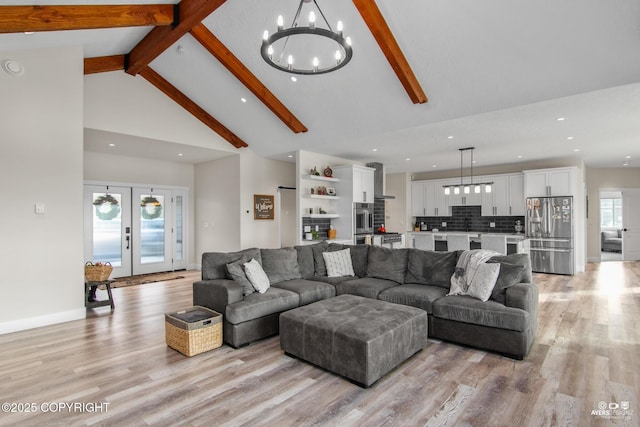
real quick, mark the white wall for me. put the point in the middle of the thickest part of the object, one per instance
(398, 210)
(118, 102)
(41, 162)
(261, 176)
(217, 206)
(114, 169)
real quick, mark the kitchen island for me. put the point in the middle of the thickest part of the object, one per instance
(516, 242)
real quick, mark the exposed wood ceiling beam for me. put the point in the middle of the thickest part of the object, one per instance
(201, 33)
(102, 64)
(191, 12)
(16, 19)
(387, 42)
(186, 103)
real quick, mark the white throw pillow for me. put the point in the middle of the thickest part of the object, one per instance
(257, 276)
(338, 263)
(484, 281)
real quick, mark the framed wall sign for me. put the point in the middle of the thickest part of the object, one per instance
(263, 206)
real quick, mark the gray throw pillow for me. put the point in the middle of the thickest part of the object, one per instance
(518, 259)
(318, 259)
(431, 268)
(235, 271)
(280, 264)
(510, 274)
(385, 263)
(214, 264)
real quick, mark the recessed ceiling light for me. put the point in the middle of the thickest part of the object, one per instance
(433, 166)
(243, 99)
(294, 79)
(569, 137)
(450, 137)
(519, 156)
(627, 157)
(576, 149)
(290, 156)
(473, 161)
(13, 67)
(28, 33)
(375, 149)
(180, 154)
(625, 164)
(112, 145)
(407, 159)
(560, 119)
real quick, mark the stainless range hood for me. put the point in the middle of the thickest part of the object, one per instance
(378, 181)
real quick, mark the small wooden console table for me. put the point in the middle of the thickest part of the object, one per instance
(87, 292)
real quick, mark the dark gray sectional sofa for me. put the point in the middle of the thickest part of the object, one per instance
(505, 324)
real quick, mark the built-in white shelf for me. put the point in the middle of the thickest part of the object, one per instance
(321, 178)
(320, 196)
(320, 215)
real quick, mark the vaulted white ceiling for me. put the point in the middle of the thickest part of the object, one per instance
(498, 75)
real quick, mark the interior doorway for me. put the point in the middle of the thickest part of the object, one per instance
(611, 224)
(287, 216)
(138, 230)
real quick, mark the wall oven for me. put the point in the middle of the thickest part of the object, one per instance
(363, 218)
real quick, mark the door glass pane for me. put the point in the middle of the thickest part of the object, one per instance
(179, 227)
(107, 228)
(151, 228)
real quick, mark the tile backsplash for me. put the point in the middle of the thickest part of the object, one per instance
(322, 223)
(469, 218)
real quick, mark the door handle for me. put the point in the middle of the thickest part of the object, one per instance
(128, 238)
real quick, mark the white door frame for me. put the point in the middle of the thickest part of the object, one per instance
(631, 224)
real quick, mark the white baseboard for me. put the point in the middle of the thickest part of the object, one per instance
(194, 267)
(46, 320)
(593, 259)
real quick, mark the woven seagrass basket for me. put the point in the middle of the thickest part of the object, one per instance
(97, 273)
(194, 330)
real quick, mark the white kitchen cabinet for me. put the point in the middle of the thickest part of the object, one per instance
(550, 182)
(516, 195)
(356, 183)
(428, 199)
(506, 197)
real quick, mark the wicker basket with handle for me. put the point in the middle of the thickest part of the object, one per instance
(97, 272)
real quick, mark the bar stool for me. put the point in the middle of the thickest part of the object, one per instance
(458, 242)
(426, 242)
(494, 242)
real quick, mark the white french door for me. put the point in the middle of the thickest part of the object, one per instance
(138, 230)
(107, 227)
(631, 224)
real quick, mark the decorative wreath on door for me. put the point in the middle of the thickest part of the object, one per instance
(151, 208)
(107, 207)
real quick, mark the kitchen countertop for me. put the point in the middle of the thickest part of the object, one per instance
(442, 235)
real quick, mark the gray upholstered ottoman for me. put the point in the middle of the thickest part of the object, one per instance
(359, 338)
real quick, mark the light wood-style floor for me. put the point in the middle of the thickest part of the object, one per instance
(586, 352)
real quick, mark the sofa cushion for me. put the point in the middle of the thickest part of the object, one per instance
(366, 287)
(386, 263)
(305, 261)
(510, 274)
(518, 259)
(257, 276)
(318, 260)
(430, 267)
(359, 258)
(236, 271)
(463, 308)
(280, 264)
(338, 263)
(254, 306)
(214, 264)
(308, 290)
(420, 296)
(332, 280)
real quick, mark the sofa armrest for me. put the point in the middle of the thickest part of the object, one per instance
(216, 294)
(523, 296)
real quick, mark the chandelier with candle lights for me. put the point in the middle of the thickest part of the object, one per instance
(306, 50)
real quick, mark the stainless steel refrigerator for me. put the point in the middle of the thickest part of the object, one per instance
(549, 227)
